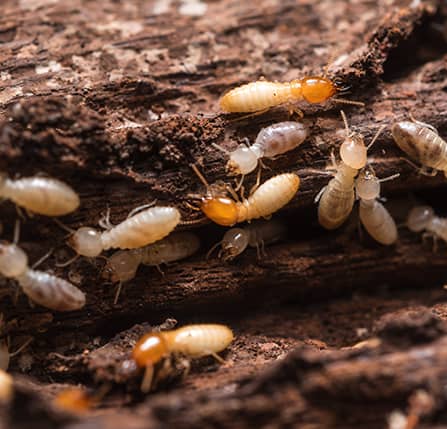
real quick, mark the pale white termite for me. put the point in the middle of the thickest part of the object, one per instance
(422, 144)
(336, 199)
(373, 215)
(42, 288)
(257, 234)
(268, 198)
(123, 265)
(271, 141)
(141, 229)
(423, 218)
(41, 195)
(192, 341)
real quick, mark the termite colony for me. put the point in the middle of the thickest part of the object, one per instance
(148, 236)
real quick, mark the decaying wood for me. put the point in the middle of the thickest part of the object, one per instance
(119, 99)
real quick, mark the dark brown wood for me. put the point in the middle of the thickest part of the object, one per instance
(118, 100)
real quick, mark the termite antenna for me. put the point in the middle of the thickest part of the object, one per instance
(345, 120)
(200, 175)
(376, 136)
(42, 259)
(64, 227)
(208, 255)
(119, 288)
(22, 347)
(215, 145)
(191, 222)
(67, 263)
(16, 236)
(140, 208)
(345, 101)
(387, 179)
(423, 124)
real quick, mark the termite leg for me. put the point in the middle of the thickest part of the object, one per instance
(209, 253)
(160, 270)
(238, 185)
(191, 207)
(70, 231)
(293, 110)
(263, 252)
(140, 208)
(148, 376)
(20, 213)
(119, 288)
(258, 182)
(16, 236)
(250, 115)
(216, 356)
(318, 196)
(22, 347)
(67, 263)
(233, 193)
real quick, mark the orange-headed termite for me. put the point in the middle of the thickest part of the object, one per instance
(41, 195)
(271, 141)
(336, 199)
(122, 265)
(422, 144)
(423, 218)
(6, 387)
(262, 94)
(268, 198)
(374, 216)
(141, 229)
(192, 341)
(257, 234)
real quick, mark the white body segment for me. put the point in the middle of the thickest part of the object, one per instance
(50, 291)
(141, 229)
(271, 196)
(423, 218)
(43, 288)
(42, 195)
(123, 265)
(256, 96)
(337, 200)
(378, 222)
(421, 144)
(199, 340)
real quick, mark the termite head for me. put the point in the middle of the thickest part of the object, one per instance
(234, 242)
(242, 161)
(13, 260)
(122, 266)
(367, 185)
(150, 349)
(220, 209)
(419, 218)
(353, 151)
(74, 400)
(86, 242)
(405, 134)
(317, 89)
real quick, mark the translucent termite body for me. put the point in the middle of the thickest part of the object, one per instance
(271, 141)
(263, 94)
(422, 144)
(41, 195)
(373, 215)
(337, 198)
(423, 218)
(268, 198)
(192, 341)
(141, 229)
(236, 240)
(122, 265)
(42, 288)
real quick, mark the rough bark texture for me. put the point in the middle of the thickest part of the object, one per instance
(118, 99)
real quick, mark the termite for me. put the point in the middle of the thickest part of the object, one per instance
(271, 141)
(192, 341)
(262, 95)
(74, 400)
(422, 144)
(257, 234)
(423, 218)
(122, 265)
(42, 288)
(41, 195)
(373, 215)
(336, 199)
(141, 229)
(268, 198)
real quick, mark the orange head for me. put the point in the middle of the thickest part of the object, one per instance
(74, 400)
(317, 89)
(150, 349)
(221, 210)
